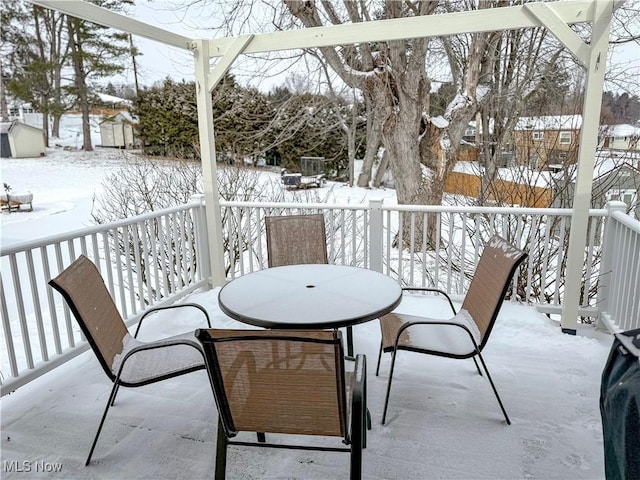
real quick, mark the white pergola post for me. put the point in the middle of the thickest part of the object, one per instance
(208, 162)
(206, 80)
(586, 163)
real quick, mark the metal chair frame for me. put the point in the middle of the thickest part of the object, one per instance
(352, 417)
(517, 258)
(64, 283)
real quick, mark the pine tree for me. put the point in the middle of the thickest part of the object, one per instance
(14, 41)
(39, 78)
(95, 52)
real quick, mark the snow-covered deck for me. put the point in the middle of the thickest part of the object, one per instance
(443, 421)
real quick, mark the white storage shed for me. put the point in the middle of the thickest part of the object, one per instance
(19, 140)
(117, 131)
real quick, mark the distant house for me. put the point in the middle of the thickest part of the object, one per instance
(540, 142)
(613, 179)
(621, 137)
(620, 183)
(19, 140)
(117, 131)
(512, 186)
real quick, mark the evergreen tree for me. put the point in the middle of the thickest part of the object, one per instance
(95, 52)
(168, 119)
(14, 47)
(37, 79)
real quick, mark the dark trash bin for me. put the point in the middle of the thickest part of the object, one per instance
(620, 408)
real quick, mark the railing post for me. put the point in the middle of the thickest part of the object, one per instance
(202, 239)
(607, 276)
(376, 235)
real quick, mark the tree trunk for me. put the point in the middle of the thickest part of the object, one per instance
(80, 82)
(4, 108)
(374, 131)
(420, 154)
(382, 168)
(45, 120)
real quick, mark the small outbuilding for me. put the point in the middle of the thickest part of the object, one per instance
(19, 140)
(117, 131)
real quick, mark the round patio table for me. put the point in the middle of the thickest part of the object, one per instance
(309, 296)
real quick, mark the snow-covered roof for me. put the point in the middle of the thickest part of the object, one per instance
(111, 99)
(606, 161)
(6, 127)
(622, 130)
(550, 122)
(123, 116)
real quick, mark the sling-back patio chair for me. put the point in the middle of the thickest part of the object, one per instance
(285, 382)
(467, 332)
(296, 240)
(126, 360)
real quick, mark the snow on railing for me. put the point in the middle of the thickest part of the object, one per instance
(147, 260)
(619, 292)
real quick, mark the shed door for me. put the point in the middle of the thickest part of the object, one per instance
(128, 136)
(118, 135)
(5, 148)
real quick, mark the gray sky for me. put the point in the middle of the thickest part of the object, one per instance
(159, 61)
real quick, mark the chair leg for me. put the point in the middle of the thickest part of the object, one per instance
(113, 400)
(221, 453)
(112, 397)
(366, 415)
(477, 366)
(350, 343)
(356, 460)
(379, 357)
(358, 439)
(386, 399)
(495, 391)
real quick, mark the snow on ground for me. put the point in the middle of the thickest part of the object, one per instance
(444, 421)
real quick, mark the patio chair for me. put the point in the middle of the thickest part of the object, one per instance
(467, 332)
(296, 240)
(285, 382)
(126, 360)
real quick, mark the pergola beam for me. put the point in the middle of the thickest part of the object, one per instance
(225, 63)
(556, 25)
(107, 18)
(485, 20)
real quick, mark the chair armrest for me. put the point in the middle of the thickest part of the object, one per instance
(437, 290)
(159, 344)
(358, 409)
(435, 322)
(157, 309)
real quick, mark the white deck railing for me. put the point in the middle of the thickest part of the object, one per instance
(368, 236)
(147, 260)
(619, 291)
(159, 257)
